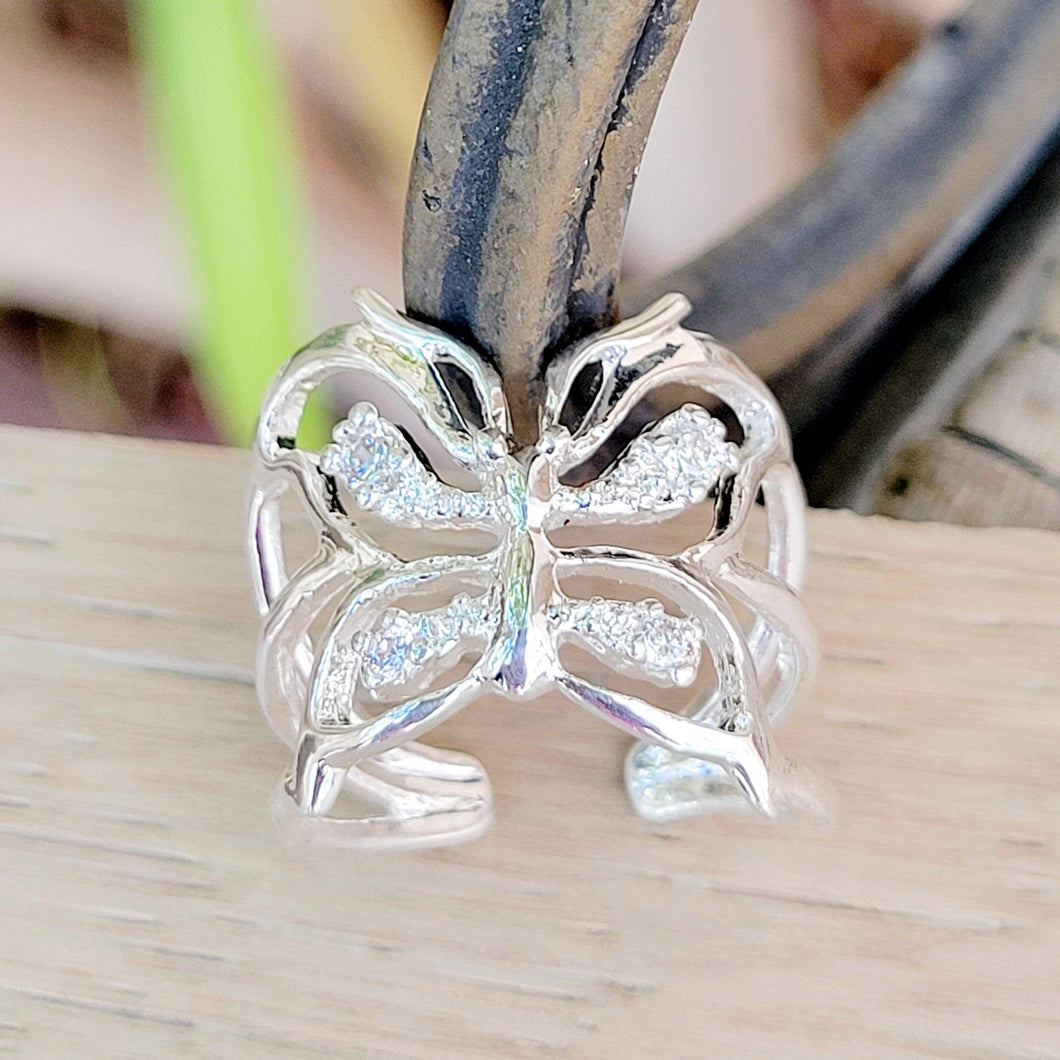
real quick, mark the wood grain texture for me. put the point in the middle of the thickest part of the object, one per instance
(987, 453)
(146, 909)
(1016, 402)
(968, 479)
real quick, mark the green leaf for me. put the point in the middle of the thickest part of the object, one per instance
(226, 135)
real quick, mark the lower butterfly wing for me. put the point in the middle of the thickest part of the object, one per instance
(374, 652)
(420, 795)
(645, 639)
(664, 783)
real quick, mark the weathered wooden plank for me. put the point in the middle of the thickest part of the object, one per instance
(968, 479)
(1016, 401)
(965, 426)
(147, 909)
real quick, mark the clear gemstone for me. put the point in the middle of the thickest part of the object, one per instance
(403, 642)
(363, 455)
(375, 462)
(677, 463)
(337, 688)
(639, 636)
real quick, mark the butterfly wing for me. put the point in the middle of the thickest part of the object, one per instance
(373, 468)
(643, 639)
(599, 387)
(598, 393)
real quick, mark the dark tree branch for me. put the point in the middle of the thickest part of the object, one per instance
(534, 124)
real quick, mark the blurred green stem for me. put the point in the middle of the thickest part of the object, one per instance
(226, 136)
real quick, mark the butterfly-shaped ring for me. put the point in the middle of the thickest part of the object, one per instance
(443, 563)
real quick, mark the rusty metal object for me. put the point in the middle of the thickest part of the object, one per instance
(534, 124)
(805, 290)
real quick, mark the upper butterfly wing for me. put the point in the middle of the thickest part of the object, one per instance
(596, 389)
(384, 474)
(678, 463)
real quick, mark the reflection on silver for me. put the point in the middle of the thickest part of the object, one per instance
(366, 647)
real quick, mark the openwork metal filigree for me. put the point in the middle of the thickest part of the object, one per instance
(446, 564)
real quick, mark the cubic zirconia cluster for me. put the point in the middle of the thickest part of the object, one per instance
(640, 637)
(400, 647)
(375, 462)
(677, 463)
(405, 641)
(331, 707)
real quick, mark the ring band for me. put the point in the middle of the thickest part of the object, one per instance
(446, 564)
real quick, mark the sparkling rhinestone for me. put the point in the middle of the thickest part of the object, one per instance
(404, 642)
(675, 464)
(662, 646)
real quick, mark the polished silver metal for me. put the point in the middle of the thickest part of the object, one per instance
(445, 562)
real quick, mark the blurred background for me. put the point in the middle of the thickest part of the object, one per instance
(155, 267)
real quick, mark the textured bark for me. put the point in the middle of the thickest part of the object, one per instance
(534, 125)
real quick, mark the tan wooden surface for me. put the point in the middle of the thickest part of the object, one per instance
(985, 451)
(146, 909)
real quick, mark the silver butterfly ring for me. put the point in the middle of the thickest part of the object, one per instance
(443, 563)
